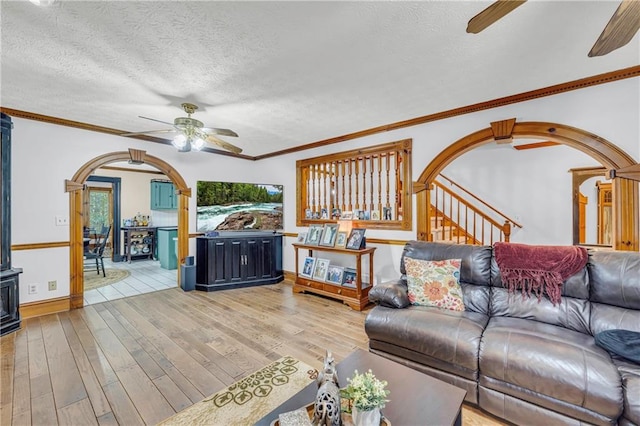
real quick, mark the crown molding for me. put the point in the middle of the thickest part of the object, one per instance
(582, 83)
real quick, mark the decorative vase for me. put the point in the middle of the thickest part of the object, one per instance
(365, 418)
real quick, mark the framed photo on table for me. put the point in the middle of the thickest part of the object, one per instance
(356, 239)
(314, 235)
(329, 235)
(302, 236)
(308, 266)
(334, 274)
(320, 270)
(341, 239)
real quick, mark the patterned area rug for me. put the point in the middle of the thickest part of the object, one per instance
(93, 280)
(247, 401)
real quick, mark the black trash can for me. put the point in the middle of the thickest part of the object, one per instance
(188, 274)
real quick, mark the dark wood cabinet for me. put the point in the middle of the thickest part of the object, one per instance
(9, 276)
(238, 259)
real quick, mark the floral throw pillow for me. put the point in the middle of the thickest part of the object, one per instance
(434, 283)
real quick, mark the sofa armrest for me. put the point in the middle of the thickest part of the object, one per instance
(392, 294)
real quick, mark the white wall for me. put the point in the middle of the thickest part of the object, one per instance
(610, 111)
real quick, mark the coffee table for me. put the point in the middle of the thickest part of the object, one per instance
(415, 398)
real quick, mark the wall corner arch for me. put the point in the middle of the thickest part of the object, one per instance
(76, 185)
(626, 210)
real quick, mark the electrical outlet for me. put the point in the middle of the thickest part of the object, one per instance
(33, 288)
(62, 220)
(53, 285)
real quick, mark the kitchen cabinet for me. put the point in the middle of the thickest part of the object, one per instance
(167, 247)
(163, 195)
(238, 259)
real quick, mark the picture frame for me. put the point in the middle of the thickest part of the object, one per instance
(301, 238)
(387, 214)
(320, 270)
(367, 215)
(314, 235)
(324, 214)
(336, 213)
(347, 215)
(356, 239)
(349, 277)
(341, 239)
(329, 235)
(335, 274)
(308, 214)
(308, 266)
(375, 215)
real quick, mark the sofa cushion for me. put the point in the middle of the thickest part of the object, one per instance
(630, 373)
(573, 312)
(570, 313)
(434, 283)
(542, 363)
(443, 339)
(475, 269)
(615, 278)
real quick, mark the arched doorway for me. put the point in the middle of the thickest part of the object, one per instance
(74, 187)
(624, 170)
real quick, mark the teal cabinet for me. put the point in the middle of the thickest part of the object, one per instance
(163, 196)
(167, 248)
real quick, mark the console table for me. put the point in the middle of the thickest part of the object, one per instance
(357, 298)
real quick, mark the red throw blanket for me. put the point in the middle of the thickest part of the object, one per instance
(538, 269)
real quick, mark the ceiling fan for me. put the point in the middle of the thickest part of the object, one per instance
(191, 133)
(622, 26)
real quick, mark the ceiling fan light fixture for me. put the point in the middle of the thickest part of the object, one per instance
(180, 141)
(197, 143)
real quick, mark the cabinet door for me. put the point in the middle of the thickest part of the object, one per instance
(267, 258)
(252, 258)
(234, 261)
(163, 197)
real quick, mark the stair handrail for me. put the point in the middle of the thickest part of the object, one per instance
(470, 206)
(482, 201)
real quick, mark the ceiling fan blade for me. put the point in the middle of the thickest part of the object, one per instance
(221, 132)
(491, 14)
(159, 121)
(622, 26)
(223, 144)
(149, 132)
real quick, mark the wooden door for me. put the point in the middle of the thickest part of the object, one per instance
(605, 213)
(582, 217)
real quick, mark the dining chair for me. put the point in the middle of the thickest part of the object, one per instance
(97, 253)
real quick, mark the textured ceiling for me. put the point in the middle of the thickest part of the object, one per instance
(283, 74)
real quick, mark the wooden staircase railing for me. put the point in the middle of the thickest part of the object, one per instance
(452, 218)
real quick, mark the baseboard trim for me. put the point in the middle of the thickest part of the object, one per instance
(289, 277)
(45, 307)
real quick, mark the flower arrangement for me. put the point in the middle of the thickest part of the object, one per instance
(366, 392)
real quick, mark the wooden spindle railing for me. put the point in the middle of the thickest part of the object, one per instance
(453, 218)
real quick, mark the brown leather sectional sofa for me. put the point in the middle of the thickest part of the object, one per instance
(525, 361)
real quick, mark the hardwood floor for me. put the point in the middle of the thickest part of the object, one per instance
(140, 359)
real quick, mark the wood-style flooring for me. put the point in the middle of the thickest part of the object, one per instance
(140, 359)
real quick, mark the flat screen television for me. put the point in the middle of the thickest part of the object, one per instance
(232, 206)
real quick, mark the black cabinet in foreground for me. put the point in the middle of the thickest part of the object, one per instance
(238, 259)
